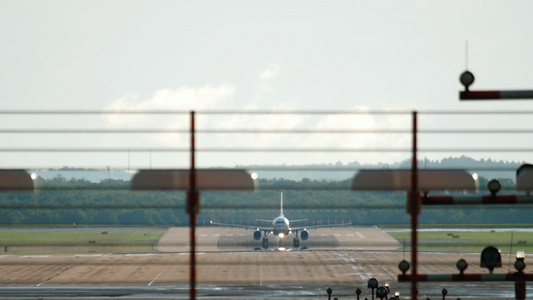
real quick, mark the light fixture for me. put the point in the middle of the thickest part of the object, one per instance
(461, 265)
(372, 283)
(490, 258)
(15, 181)
(520, 264)
(494, 186)
(400, 180)
(404, 266)
(524, 178)
(467, 78)
(206, 180)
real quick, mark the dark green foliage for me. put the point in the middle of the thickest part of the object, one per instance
(66, 201)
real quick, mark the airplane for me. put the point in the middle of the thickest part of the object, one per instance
(280, 227)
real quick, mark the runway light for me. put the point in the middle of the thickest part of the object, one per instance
(400, 180)
(206, 180)
(372, 283)
(491, 258)
(461, 265)
(381, 292)
(494, 186)
(519, 264)
(404, 266)
(467, 78)
(15, 181)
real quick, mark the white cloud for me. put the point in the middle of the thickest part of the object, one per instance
(182, 98)
(265, 79)
(212, 98)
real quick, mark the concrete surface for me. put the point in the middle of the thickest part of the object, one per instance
(356, 255)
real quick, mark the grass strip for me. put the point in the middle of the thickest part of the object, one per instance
(67, 242)
(468, 241)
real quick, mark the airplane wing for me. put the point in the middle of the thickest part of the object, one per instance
(320, 226)
(243, 226)
(262, 220)
(299, 220)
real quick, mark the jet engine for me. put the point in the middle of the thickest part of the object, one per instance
(304, 235)
(257, 235)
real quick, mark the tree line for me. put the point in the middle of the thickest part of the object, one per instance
(60, 200)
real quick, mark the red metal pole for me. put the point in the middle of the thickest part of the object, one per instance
(192, 209)
(520, 286)
(414, 208)
(496, 95)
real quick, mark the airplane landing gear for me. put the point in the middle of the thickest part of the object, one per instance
(296, 242)
(265, 243)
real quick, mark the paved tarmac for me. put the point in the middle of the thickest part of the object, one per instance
(349, 257)
(216, 238)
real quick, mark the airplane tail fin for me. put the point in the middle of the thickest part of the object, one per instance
(281, 204)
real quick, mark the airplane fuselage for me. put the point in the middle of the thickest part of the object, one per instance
(281, 225)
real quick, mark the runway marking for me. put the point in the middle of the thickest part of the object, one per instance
(203, 235)
(156, 277)
(260, 271)
(363, 276)
(360, 235)
(216, 234)
(358, 268)
(140, 254)
(166, 266)
(61, 272)
(349, 260)
(388, 271)
(88, 255)
(349, 234)
(35, 256)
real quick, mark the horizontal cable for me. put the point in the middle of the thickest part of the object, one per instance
(276, 150)
(269, 131)
(200, 112)
(40, 131)
(226, 131)
(257, 112)
(62, 150)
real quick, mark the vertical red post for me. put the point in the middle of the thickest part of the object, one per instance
(192, 209)
(520, 286)
(414, 209)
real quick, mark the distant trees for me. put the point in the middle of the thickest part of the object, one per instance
(67, 201)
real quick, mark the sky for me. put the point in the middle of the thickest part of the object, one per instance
(361, 56)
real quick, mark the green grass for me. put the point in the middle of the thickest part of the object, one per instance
(469, 241)
(61, 242)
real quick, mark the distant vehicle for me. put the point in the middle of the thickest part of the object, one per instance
(280, 227)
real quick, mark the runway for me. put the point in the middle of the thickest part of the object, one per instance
(230, 239)
(225, 266)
